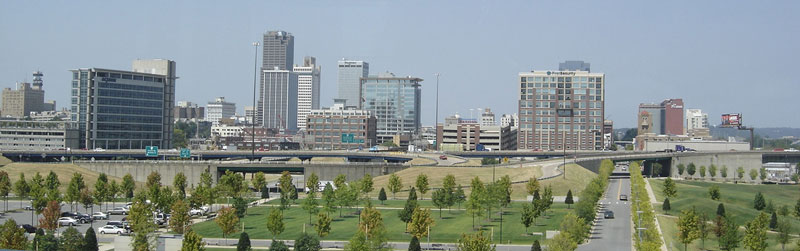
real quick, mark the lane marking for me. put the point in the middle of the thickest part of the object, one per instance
(619, 189)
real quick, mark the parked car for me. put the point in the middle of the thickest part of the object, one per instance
(197, 212)
(28, 208)
(608, 214)
(69, 214)
(67, 221)
(443, 157)
(111, 229)
(118, 210)
(28, 228)
(99, 216)
(623, 197)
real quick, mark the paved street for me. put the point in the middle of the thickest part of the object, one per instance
(612, 234)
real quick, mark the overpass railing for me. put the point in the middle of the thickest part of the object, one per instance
(238, 163)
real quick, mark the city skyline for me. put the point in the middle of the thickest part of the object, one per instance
(709, 60)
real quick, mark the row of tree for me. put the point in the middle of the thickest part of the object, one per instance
(692, 169)
(650, 239)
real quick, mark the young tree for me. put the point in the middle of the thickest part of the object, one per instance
(86, 198)
(740, 172)
(568, 200)
(562, 242)
(366, 186)
(536, 246)
(128, 185)
(371, 225)
(278, 246)
(666, 207)
(670, 190)
(681, 168)
(73, 193)
(382, 195)
(323, 225)
(21, 187)
(459, 196)
(52, 182)
(285, 183)
(526, 216)
(310, 204)
(12, 236)
(703, 172)
(758, 202)
(755, 233)
(702, 228)
(784, 226)
(730, 236)
(312, 183)
(141, 220)
(422, 185)
(113, 191)
(797, 208)
(688, 229)
(101, 190)
(783, 210)
(293, 194)
(180, 220)
(762, 174)
(475, 202)
(71, 240)
(691, 169)
(721, 210)
(414, 245)
(329, 199)
(406, 215)
(395, 184)
(547, 199)
(90, 240)
(179, 183)
(476, 242)
(773, 221)
(439, 198)
(264, 192)
(712, 171)
(719, 226)
(192, 242)
(50, 216)
(244, 242)
(275, 223)
(307, 242)
(713, 191)
(5, 187)
(227, 221)
(532, 186)
(724, 172)
(753, 175)
(656, 168)
(421, 221)
(575, 227)
(259, 180)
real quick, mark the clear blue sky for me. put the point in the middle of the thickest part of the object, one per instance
(720, 56)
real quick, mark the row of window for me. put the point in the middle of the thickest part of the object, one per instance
(128, 135)
(130, 102)
(127, 110)
(130, 87)
(130, 94)
(561, 79)
(128, 127)
(130, 76)
(128, 119)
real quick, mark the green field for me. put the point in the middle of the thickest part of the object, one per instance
(670, 230)
(737, 198)
(448, 229)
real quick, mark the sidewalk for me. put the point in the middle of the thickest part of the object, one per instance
(653, 201)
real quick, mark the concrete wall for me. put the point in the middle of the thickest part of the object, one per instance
(140, 170)
(748, 161)
(697, 145)
(353, 172)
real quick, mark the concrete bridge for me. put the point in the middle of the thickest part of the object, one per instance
(139, 154)
(193, 169)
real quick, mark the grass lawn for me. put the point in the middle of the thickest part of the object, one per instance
(669, 226)
(737, 198)
(447, 229)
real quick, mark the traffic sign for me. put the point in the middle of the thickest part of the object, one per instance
(186, 153)
(151, 151)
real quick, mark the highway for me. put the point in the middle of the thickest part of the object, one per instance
(612, 234)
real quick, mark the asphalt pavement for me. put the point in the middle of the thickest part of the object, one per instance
(612, 234)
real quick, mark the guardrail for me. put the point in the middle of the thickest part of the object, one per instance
(238, 163)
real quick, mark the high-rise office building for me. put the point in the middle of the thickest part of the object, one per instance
(665, 118)
(350, 74)
(124, 109)
(487, 117)
(277, 103)
(561, 110)
(249, 113)
(219, 109)
(308, 78)
(188, 111)
(395, 102)
(278, 50)
(166, 68)
(26, 98)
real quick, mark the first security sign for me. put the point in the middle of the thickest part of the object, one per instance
(151, 151)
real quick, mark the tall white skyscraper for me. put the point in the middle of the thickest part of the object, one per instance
(219, 109)
(350, 74)
(487, 117)
(277, 102)
(308, 78)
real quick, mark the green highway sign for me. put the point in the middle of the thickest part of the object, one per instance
(186, 153)
(350, 138)
(151, 151)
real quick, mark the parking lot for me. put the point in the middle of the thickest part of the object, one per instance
(24, 216)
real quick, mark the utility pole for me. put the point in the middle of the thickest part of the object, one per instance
(436, 126)
(253, 117)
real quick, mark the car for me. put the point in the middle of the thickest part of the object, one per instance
(623, 197)
(99, 216)
(83, 218)
(608, 214)
(118, 210)
(28, 208)
(111, 229)
(197, 212)
(67, 221)
(69, 214)
(443, 157)
(28, 228)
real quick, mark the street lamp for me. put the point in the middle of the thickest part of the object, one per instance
(436, 126)
(253, 113)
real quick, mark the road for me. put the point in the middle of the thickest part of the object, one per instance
(612, 234)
